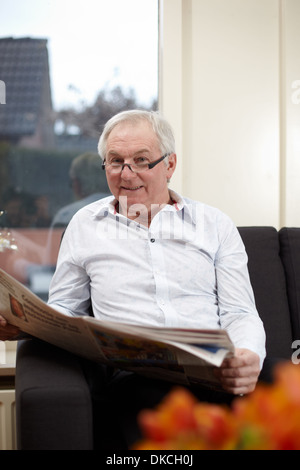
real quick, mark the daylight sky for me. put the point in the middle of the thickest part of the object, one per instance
(93, 44)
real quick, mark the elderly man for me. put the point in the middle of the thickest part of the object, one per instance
(150, 256)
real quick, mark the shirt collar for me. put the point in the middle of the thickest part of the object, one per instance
(183, 205)
(105, 206)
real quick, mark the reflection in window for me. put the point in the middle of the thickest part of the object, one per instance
(49, 165)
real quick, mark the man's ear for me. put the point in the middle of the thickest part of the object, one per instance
(172, 161)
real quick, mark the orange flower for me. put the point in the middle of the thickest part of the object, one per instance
(216, 426)
(287, 378)
(174, 415)
(272, 413)
(268, 419)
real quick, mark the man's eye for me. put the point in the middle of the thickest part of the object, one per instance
(141, 160)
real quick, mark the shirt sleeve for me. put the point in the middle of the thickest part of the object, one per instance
(237, 309)
(70, 287)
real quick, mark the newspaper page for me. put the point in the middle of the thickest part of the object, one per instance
(179, 355)
(146, 351)
(28, 312)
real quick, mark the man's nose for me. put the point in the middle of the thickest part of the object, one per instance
(127, 172)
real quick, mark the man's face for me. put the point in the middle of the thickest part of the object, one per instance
(128, 143)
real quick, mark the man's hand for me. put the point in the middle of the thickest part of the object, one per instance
(7, 331)
(239, 374)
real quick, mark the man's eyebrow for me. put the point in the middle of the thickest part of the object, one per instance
(141, 151)
(114, 153)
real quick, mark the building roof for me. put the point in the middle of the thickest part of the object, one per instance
(25, 71)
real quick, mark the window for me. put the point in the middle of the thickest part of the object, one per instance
(65, 68)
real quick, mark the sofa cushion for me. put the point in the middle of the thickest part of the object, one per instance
(268, 281)
(50, 386)
(289, 239)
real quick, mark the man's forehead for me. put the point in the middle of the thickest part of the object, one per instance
(140, 133)
(132, 127)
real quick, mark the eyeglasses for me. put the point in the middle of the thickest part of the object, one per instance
(136, 167)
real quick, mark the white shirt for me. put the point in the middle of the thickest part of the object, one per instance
(187, 270)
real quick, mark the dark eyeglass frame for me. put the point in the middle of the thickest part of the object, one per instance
(150, 165)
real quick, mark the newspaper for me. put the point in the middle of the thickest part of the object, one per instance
(184, 356)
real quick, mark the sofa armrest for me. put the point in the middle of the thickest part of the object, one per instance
(53, 402)
(289, 238)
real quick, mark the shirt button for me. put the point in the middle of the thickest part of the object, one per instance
(152, 240)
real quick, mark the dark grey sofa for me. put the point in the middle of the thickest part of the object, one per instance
(53, 403)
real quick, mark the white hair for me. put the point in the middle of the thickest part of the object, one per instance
(159, 124)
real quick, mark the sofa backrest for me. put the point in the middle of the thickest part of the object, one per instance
(289, 239)
(269, 285)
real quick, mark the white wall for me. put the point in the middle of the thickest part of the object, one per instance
(291, 117)
(226, 71)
